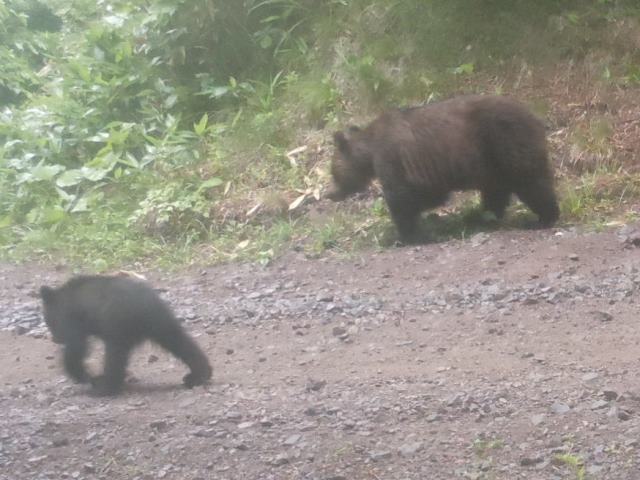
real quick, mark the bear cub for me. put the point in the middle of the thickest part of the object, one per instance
(122, 312)
(488, 143)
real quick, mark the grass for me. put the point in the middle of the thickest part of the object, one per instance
(483, 447)
(574, 463)
(600, 197)
(595, 200)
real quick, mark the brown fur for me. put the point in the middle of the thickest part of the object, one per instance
(421, 154)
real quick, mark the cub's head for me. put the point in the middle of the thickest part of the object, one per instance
(352, 164)
(53, 312)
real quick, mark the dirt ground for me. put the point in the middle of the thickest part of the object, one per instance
(510, 355)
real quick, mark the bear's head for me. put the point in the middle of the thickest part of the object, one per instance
(352, 164)
(53, 310)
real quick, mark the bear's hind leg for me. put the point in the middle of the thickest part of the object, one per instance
(175, 340)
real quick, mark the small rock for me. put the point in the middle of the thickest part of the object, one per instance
(594, 469)
(602, 316)
(158, 424)
(324, 297)
(338, 331)
(537, 419)
(409, 449)
(234, 416)
(60, 442)
(315, 385)
(265, 422)
(599, 404)
(333, 308)
(574, 257)
(279, 460)
(560, 408)
(624, 415)
(530, 461)
(433, 417)
(292, 440)
(479, 238)
(376, 456)
(629, 235)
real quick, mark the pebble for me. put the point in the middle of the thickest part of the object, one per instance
(560, 408)
(410, 449)
(279, 460)
(599, 404)
(292, 440)
(377, 456)
(537, 419)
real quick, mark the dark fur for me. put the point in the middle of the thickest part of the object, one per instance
(421, 154)
(122, 312)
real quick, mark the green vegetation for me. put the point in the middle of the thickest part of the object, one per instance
(574, 463)
(172, 131)
(483, 447)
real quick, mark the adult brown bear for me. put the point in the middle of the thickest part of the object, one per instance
(421, 154)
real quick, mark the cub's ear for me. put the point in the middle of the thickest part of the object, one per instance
(47, 293)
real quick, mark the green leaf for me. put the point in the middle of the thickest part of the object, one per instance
(66, 197)
(81, 206)
(217, 92)
(170, 101)
(105, 160)
(266, 42)
(129, 160)
(70, 178)
(40, 173)
(201, 126)
(464, 69)
(52, 215)
(211, 183)
(94, 174)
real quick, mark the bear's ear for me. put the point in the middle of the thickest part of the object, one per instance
(47, 294)
(341, 142)
(354, 129)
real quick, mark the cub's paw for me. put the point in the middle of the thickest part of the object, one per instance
(191, 380)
